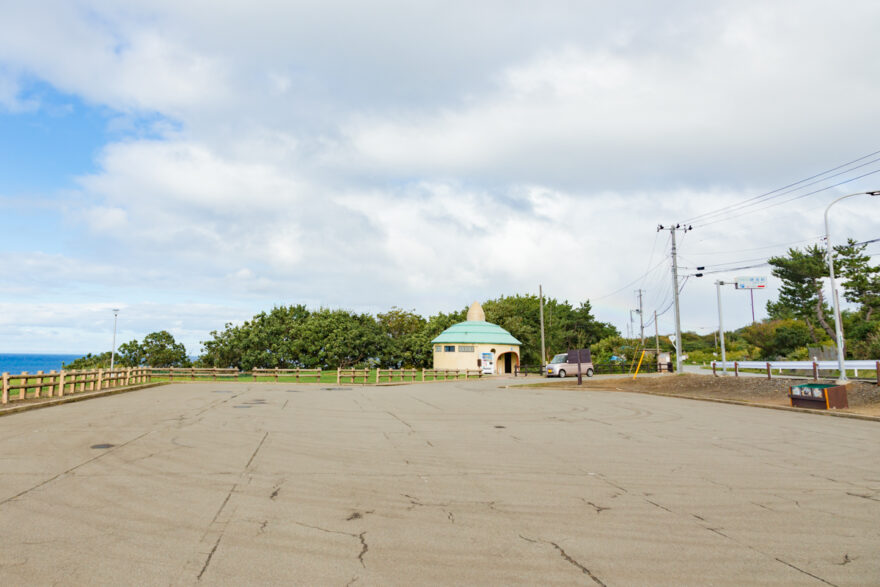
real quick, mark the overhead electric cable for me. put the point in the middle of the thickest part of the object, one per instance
(630, 283)
(774, 204)
(806, 240)
(791, 185)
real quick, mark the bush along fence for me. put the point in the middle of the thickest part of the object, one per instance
(62, 383)
(800, 367)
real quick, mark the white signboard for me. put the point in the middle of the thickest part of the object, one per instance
(751, 282)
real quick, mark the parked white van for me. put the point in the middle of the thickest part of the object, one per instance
(565, 364)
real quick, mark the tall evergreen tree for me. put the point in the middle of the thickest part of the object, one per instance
(801, 294)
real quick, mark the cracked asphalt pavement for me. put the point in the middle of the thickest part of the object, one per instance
(443, 483)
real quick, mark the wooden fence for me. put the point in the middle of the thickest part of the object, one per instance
(352, 375)
(397, 374)
(801, 366)
(194, 373)
(60, 383)
(295, 373)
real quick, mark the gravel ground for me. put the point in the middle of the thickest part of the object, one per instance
(864, 398)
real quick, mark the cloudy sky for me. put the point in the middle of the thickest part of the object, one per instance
(193, 163)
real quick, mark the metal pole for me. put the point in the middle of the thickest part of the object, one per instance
(838, 326)
(641, 320)
(718, 285)
(675, 298)
(113, 351)
(543, 352)
(752, 293)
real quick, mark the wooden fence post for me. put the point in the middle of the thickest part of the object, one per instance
(100, 380)
(713, 369)
(768, 370)
(5, 397)
(23, 390)
(61, 384)
(815, 371)
(736, 368)
(877, 371)
(338, 375)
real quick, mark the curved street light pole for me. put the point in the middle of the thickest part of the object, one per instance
(838, 326)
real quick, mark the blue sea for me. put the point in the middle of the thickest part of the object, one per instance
(33, 363)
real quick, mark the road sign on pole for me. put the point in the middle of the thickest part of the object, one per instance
(754, 282)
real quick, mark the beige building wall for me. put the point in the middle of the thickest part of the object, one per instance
(468, 359)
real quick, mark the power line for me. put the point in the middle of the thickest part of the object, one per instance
(741, 206)
(774, 204)
(630, 283)
(764, 195)
(806, 240)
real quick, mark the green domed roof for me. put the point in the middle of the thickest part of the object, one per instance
(475, 331)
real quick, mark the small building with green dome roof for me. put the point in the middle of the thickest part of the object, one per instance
(476, 344)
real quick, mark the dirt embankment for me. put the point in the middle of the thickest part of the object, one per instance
(864, 398)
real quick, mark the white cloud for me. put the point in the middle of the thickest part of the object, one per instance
(424, 155)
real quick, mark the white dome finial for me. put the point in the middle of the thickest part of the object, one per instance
(475, 313)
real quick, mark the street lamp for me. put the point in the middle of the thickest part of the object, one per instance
(113, 352)
(838, 326)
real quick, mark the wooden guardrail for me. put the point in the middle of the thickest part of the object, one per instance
(21, 386)
(807, 366)
(295, 373)
(445, 374)
(353, 375)
(397, 374)
(194, 373)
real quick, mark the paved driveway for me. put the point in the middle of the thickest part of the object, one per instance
(446, 483)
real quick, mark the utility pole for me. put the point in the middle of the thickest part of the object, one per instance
(641, 318)
(672, 229)
(656, 335)
(718, 285)
(543, 352)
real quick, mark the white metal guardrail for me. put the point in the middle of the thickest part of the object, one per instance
(814, 366)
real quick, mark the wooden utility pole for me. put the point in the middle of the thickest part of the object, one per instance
(541, 306)
(656, 335)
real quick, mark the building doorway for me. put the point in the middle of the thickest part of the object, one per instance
(507, 362)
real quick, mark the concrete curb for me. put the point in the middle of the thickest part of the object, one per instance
(26, 406)
(736, 402)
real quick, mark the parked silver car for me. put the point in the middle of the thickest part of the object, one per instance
(565, 364)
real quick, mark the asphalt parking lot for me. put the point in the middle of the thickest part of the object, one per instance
(443, 483)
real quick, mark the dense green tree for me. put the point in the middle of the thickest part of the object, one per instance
(779, 338)
(338, 338)
(88, 362)
(294, 337)
(861, 280)
(161, 350)
(565, 327)
(801, 295)
(405, 345)
(129, 354)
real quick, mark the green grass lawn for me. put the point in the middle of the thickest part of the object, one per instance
(326, 377)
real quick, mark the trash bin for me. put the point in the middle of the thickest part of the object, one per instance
(818, 396)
